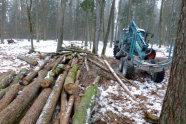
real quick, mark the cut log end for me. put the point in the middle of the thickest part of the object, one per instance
(71, 88)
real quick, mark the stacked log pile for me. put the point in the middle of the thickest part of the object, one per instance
(33, 98)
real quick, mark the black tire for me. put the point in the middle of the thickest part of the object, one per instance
(128, 69)
(116, 50)
(158, 76)
(121, 62)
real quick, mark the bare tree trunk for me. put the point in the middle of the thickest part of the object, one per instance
(87, 28)
(98, 25)
(37, 20)
(161, 24)
(3, 20)
(174, 104)
(118, 25)
(29, 8)
(60, 39)
(108, 28)
(129, 12)
(112, 30)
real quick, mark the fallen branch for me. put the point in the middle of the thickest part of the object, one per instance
(75, 50)
(119, 80)
(151, 118)
(28, 60)
(106, 69)
(33, 113)
(49, 108)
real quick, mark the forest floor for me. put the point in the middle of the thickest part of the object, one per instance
(114, 105)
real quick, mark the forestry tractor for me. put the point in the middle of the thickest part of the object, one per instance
(132, 49)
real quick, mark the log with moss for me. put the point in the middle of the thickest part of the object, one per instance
(83, 112)
(70, 86)
(33, 113)
(49, 79)
(9, 97)
(15, 108)
(49, 108)
(34, 73)
(28, 60)
(15, 81)
(6, 81)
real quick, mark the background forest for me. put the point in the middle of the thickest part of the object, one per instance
(156, 16)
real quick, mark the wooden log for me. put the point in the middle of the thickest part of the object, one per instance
(83, 112)
(66, 109)
(34, 73)
(49, 79)
(70, 86)
(15, 81)
(86, 65)
(6, 81)
(63, 105)
(57, 70)
(9, 97)
(33, 113)
(120, 81)
(4, 75)
(15, 108)
(78, 51)
(57, 62)
(70, 104)
(28, 60)
(49, 108)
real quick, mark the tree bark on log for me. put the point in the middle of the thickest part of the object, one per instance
(15, 81)
(66, 110)
(50, 105)
(33, 113)
(34, 73)
(99, 65)
(6, 81)
(120, 81)
(70, 104)
(28, 60)
(15, 108)
(83, 112)
(57, 62)
(70, 86)
(4, 75)
(63, 105)
(49, 79)
(9, 97)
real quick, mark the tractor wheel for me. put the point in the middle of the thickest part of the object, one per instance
(128, 69)
(152, 55)
(158, 76)
(116, 50)
(122, 60)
